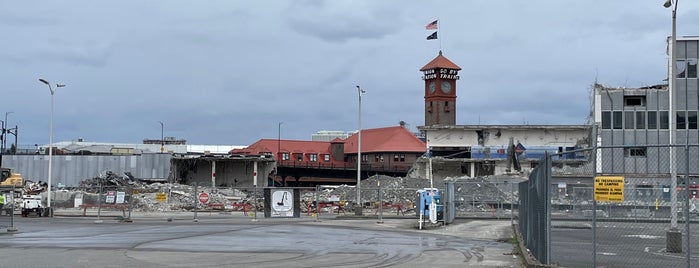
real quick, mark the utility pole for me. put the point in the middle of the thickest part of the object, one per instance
(2, 140)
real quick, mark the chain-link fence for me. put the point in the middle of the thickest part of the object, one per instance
(7, 196)
(495, 197)
(610, 219)
(331, 201)
(94, 201)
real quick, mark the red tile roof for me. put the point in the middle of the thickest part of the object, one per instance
(287, 146)
(387, 139)
(440, 62)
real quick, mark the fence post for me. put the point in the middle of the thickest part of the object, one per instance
(12, 211)
(255, 193)
(547, 200)
(316, 214)
(380, 202)
(594, 202)
(128, 219)
(99, 203)
(512, 202)
(686, 206)
(196, 202)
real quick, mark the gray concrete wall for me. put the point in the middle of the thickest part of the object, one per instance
(229, 172)
(69, 170)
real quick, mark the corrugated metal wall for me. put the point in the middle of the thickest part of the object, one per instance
(71, 169)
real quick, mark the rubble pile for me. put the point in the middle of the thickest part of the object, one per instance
(471, 194)
(31, 187)
(111, 179)
(181, 197)
(480, 193)
(178, 197)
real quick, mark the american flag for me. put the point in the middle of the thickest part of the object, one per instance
(432, 25)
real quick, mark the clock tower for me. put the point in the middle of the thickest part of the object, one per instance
(440, 77)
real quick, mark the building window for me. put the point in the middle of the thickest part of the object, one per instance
(640, 120)
(617, 121)
(313, 157)
(634, 100)
(692, 68)
(285, 156)
(681, 120)
(628, 120)
(365, 158)
(606, 120)
(635, 152)
(692, 119)
(299, 157)
(326, 158)
(680, 69)
(652, 120)
(399, 158)
(664, 120)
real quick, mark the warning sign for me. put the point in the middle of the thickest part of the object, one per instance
(160, 197)
(203, 198)
(609, 188)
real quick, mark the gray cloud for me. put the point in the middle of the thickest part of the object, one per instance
(226, 72)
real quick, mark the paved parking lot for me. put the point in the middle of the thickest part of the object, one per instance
(226, 240)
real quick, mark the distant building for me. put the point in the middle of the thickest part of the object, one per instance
(172, 146)
(639, 120)
(388, 150)
(480, 150)
(166, 140)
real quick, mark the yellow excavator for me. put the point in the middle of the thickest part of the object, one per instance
(10, 179)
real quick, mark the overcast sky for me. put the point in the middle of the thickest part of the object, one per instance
(227, 72)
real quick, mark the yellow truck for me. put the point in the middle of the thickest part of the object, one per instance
(10, 179)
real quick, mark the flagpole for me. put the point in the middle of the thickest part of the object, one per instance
(440, 39)
(434, 25)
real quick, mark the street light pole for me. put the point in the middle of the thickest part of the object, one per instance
(52, 91)
(162, 138)
(3, 140)
(673, 121)
(674, 236)
(358, 209)
(279, 156)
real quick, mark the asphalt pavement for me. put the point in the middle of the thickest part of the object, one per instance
(212, 239)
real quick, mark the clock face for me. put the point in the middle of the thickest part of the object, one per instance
(446, 86)
(432, 86)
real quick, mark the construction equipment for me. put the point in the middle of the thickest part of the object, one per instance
(31, 204)
(30, 193)
(10, 178)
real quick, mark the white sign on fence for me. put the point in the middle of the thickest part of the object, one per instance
(120, 197)
(78, 200)
(110, 197)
